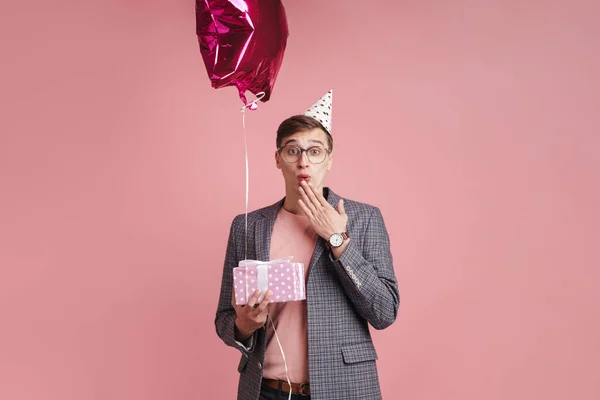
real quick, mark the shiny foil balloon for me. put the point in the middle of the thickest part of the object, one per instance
(242, 43)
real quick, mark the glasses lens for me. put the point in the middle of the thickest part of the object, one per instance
(291, 153)
(316, 154)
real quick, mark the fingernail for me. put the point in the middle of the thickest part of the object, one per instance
(259, 291)
(269, 293)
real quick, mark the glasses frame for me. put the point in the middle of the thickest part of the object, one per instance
(327, 151)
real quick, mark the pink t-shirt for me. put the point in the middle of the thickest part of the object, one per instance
(292, 236)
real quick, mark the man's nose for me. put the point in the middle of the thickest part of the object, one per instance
(303, 160)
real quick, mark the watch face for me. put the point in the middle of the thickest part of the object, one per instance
(336, 240)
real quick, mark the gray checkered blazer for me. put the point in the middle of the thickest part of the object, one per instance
(343, 298)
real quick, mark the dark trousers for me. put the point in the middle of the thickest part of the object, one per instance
(269, 393)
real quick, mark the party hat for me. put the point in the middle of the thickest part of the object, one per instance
(321, 110)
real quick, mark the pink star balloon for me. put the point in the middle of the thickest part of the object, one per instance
(242, 43)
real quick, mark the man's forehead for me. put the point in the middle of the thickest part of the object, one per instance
(313, 136)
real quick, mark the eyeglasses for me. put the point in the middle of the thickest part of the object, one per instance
(315, 154)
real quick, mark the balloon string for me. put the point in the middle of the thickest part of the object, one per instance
(252, 106)
(246, 153)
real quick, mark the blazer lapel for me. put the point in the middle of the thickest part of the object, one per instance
(263, 230)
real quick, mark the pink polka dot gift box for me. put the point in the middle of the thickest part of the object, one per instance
(283, 277)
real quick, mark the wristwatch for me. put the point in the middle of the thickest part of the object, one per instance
(337, 239)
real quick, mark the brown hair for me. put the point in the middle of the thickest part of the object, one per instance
(300, 123)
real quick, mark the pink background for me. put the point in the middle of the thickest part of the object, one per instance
(473, 125)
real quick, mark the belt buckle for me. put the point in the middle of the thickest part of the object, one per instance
(301, 389)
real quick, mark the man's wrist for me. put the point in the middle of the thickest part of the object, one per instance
(241, 334)
(338, 251)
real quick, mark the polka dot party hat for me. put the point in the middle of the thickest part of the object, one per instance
(321, 110)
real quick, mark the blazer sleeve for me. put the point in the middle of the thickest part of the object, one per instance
(225, 317)
(367, 276)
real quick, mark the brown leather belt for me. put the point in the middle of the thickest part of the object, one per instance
(303, 389)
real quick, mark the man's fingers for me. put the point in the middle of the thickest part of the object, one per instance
(318, 196)
(310, 192)
(304, 208)
(340, 207)
(307, 201)
(254, 298)
(265, 303)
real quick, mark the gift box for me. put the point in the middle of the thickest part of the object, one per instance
(283, 277)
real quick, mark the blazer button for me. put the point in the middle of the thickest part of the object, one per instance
(259, 365)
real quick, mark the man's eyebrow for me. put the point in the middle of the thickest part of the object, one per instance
(295, 141)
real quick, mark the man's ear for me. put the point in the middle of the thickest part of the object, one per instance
(330, 161)
(277, 160)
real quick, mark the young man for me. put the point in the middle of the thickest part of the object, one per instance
(350, 280)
